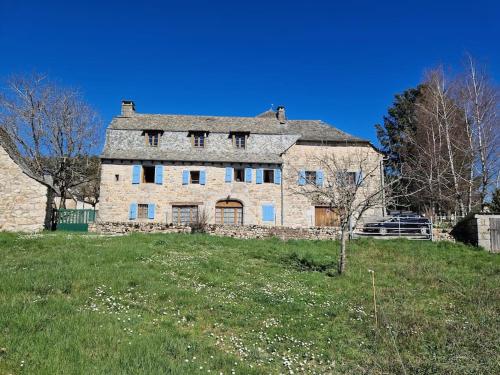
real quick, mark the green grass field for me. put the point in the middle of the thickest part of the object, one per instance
(195, 304)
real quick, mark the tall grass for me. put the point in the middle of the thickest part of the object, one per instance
(195, 304)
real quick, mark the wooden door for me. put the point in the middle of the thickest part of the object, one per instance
(495, 234)
(326, 217)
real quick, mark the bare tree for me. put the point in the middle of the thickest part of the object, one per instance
(350, 185)
(480, 102)
(442, 161)
(53, 127)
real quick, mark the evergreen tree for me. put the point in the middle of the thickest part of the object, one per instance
(495, 201)
(400, 119)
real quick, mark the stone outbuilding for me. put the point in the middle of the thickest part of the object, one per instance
(481, 229)
(26, 203)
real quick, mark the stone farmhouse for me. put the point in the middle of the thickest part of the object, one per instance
(26, 203)
(230, 170)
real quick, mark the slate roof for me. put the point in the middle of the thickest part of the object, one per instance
(265, 123)
(195, 156)
(9, 146)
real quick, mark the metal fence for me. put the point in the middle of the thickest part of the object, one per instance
(74, 219)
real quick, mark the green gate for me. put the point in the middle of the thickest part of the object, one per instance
(75, 220)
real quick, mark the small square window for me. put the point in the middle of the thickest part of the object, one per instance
(239, 174)
(311, 177)
(194, 177)
(117, 177)
(148, 175)
(268, 176)
(240, 140)
(142, 211)
(199, 140)
(152, 138)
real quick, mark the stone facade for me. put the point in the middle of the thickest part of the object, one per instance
(24, 206)
(484, 231)
(477, 230)
(299, 210)
(235, 231)
(284, 146)
(117, 195)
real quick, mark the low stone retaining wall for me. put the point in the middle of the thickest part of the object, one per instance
(262, 231)
(122, 228)
(243, 231)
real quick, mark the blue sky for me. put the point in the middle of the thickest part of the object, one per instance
(339, 62)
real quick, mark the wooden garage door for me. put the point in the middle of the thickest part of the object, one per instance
(326, 217)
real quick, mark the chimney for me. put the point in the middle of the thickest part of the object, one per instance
(128, 108)
(281, 114)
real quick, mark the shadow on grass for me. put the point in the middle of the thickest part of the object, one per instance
(308, 262)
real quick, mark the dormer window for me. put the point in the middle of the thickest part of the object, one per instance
(152, 137)
(198, 139)
(239, 140)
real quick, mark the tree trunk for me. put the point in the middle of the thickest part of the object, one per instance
(342, 258)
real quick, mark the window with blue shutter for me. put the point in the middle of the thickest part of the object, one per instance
(259, 176)
(159, 174)
(203, 177)
(248, 174)
(277, 176)
(132, 214)
(359, 178)
(302, 178)
(151, 211)
(136, 174)
(229, 174)
(268, 212)
(319, 177)
(185, 177)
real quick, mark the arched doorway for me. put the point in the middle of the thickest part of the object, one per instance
(229, 212)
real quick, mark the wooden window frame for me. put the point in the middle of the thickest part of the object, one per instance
(268, 174)
(194, 181)
(142, 211)
(235, 206)
(143, 177)
(310, 177)
(193, 213)
(152, 137)
(239, 172)
(199, 139)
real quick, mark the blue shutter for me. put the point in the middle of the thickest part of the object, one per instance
(229, 174)
(248, 174)
(267, 212)
(319, 177)
(185, 177)
(277, 176)
(132, 213)
(359, 178)
(136, 174)
(159, 174)
(259, 176)
(203, 178)
(302, 178)
(151, 211)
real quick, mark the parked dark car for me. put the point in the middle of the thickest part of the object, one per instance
(399, 225)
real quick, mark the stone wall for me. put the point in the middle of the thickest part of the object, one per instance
(475, 230)
(298, 209)
(24, 206)
(129, 227)
(484, 231)
(244, 231)
(285, 233)
(118, 192)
